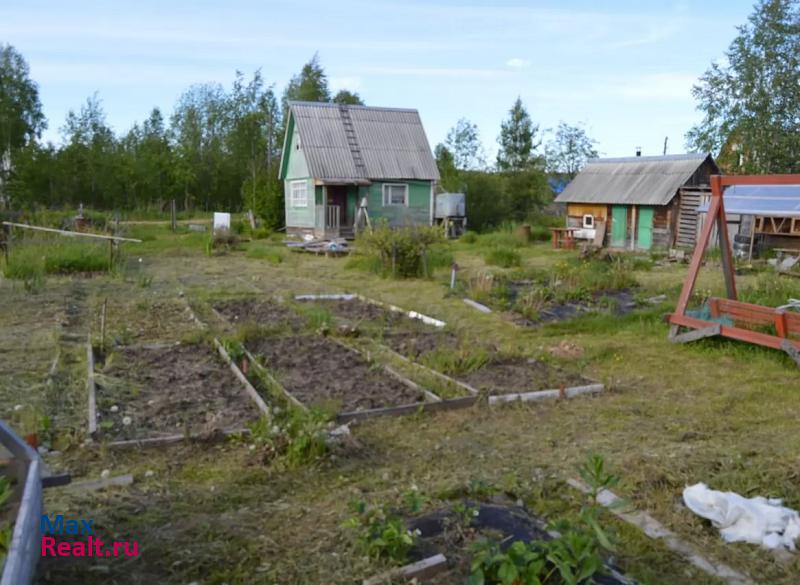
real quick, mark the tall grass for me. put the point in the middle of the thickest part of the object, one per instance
(35, 259)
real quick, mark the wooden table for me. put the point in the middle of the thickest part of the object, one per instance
(563, 237)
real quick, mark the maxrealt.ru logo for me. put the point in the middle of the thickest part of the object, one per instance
(88, 546)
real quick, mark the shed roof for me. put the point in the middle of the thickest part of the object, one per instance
(391, 142)
(764, 200)
(637, 180)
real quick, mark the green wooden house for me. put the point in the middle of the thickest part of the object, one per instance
(339, 157)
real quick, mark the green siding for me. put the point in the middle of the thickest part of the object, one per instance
(296, 166)
(299, 216)
(417, 212)
(619, 226)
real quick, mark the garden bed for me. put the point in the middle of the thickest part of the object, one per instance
(320, 372)
(261, 312)
(414, 345)
(617, 302)
(160, 392)
(511, 375)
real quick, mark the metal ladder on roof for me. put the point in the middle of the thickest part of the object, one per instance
(352, 142)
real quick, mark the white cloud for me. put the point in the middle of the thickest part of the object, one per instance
(448, 72)
(658, 87)
(517, 63)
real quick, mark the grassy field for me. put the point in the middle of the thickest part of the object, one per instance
(718, 412)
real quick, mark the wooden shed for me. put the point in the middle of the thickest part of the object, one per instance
(640, 202)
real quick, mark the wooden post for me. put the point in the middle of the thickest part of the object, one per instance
(394, 260)
(633, 228)
(103, 324)
(725, 247)
(752, 240)
(173, 217)
(110, 255)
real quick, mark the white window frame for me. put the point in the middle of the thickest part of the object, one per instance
(387, 192)
(295, 199)
(588, 221)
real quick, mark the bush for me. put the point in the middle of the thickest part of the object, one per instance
(404, 252)
(503, 257)
(469, 238)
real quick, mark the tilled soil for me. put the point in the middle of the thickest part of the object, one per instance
(356, 311)
(320, 372)
(514, 375)
(414, 345)
(183, 388)
(258, 311)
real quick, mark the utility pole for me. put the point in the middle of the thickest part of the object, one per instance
(666, 138)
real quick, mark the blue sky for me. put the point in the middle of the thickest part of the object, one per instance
(623, 68)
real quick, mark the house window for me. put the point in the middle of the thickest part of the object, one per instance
(395, 194)
(588, 221)
(298, 195)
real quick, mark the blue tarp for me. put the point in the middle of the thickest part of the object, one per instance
(765, 200)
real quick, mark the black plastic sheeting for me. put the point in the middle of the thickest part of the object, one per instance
(513, 522)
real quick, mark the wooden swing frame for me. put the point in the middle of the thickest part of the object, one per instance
(786, 323)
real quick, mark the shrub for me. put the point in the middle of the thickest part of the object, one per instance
(503, 257)
(404, 252)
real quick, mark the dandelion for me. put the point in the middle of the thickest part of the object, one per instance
(126, 421)
(105, 473)
(114, 408)
(18, 407)
(149, 473)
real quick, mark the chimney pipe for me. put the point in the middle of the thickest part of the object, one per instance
(638, 151)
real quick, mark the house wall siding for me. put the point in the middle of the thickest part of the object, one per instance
(297, 169)
(418, 209)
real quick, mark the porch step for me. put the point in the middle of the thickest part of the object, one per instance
(347, 233)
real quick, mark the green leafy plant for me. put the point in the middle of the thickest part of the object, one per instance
(380, 532)
(414, 500)
(520, 564)
(299, 436)
(572, 558)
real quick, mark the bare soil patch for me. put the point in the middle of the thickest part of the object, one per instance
(318, 371)
(258, 311)
(184, 388)
(513, 375)
(356, 312)
(414, 345)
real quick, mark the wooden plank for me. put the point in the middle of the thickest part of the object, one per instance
(696, 334)
(477, 305)
(103, 483)
(69, 233)
(792, 350)
(172, 439)
(423, 569)
(442, 405)
(91, 388)
(273, 381)
(251, 392)
(732, 332)
(431, 371)
(552, 394)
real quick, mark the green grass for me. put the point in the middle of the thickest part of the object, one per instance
(271, 254)
(34, 259)
(503, 257)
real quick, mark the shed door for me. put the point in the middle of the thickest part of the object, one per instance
(619, 225)
(644, 233)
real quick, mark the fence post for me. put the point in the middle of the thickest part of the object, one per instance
(394, 260)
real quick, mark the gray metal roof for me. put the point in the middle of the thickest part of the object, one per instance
(391, 142)
(637, 180)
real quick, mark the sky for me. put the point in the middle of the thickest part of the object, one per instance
(622, 68)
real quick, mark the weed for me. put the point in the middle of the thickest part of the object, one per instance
(503, 257)
(414, 500)
(381, 533)
(460, 361)
(299, 436)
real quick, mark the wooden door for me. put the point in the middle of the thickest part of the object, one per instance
(644, 231)
(619, 225)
